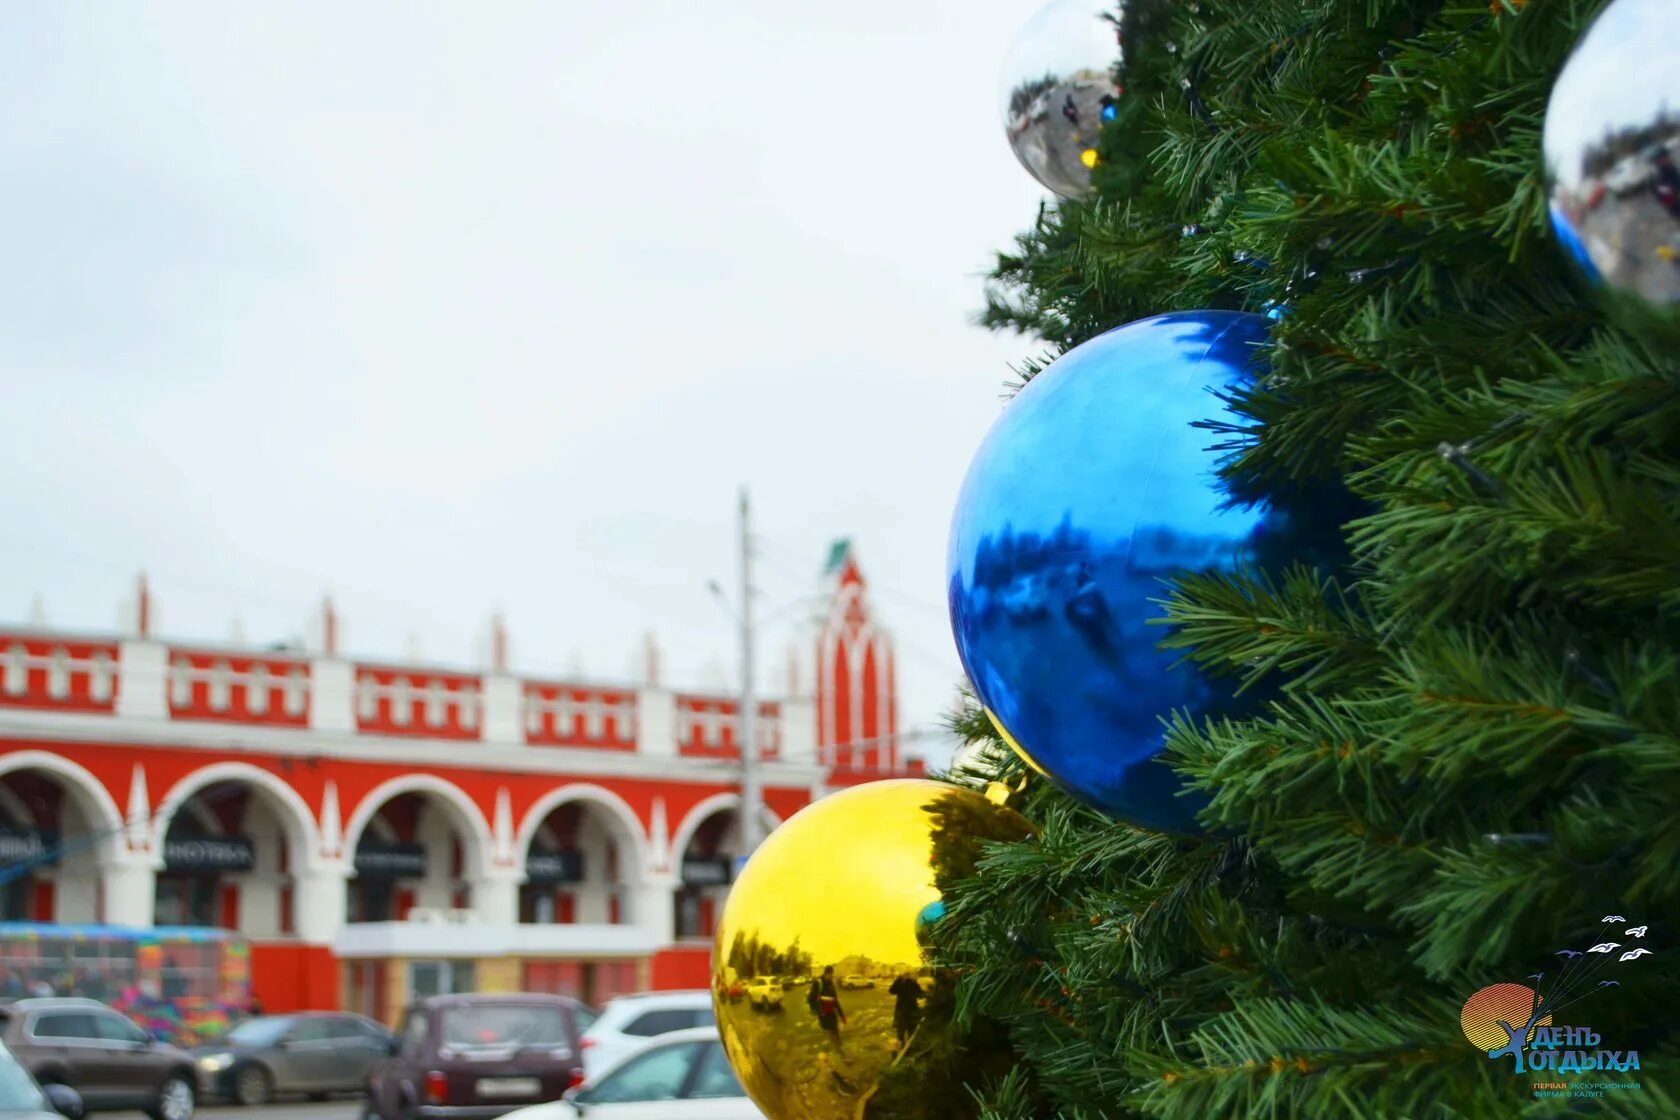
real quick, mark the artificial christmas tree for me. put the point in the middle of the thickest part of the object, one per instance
(1467, 760)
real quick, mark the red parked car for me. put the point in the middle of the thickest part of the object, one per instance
(475, 1057)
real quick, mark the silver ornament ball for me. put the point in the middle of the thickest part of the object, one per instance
(1612, 143)
(1058, 91)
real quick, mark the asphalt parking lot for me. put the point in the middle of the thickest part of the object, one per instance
(338, 1108)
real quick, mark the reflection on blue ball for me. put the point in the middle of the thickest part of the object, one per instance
(1094, 487)
(1572, 244)
(925, 919)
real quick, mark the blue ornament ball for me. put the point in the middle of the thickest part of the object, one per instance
(927, 916)
(1097, 484)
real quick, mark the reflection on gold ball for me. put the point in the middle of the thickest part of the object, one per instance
(819, 981)
(1003, 733)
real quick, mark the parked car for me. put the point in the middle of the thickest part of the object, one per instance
(584, 1016)
(765, 992)
(23, 1098)
(1026, 599)
(476, 1057)
(855, 982)
(682, 1075)
(109, 1061)
(626, 1024)
(315, 1053)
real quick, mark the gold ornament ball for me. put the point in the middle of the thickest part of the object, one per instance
(818, 976)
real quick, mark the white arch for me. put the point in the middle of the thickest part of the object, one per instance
(91, 795)
(303, 833)
(697, 817)
(599, 796)
(476, 843)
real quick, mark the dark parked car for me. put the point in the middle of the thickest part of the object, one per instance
(476, 1057)
(315, 1053)
(101, 1054)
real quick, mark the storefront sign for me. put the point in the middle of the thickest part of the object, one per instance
(391, 861)
(554, 867)
(27, 846)
(706, 872)
(209, 853)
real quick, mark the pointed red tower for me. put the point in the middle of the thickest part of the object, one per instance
(857, 717)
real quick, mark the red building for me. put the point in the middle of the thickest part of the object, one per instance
(378, 830)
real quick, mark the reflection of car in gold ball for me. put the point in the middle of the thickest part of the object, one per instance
(835, 894)
(765, 992)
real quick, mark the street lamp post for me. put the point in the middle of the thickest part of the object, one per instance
(752, 790)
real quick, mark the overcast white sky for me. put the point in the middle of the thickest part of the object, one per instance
(440, 306)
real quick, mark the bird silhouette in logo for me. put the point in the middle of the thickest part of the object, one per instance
(1634, 954)
(1605, 947)
(1612, 918)
(1568, 953)
(1536, 976)
(1637, 931)
(1609, 983)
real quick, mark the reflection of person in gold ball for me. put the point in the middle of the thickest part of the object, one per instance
(825, 1001)
(907, 1009)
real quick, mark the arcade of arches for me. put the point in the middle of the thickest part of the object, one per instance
(237, 853)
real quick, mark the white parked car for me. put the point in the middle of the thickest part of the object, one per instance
(682, 1075)
(764, 992)
(1027, 597)
(626, 1024)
